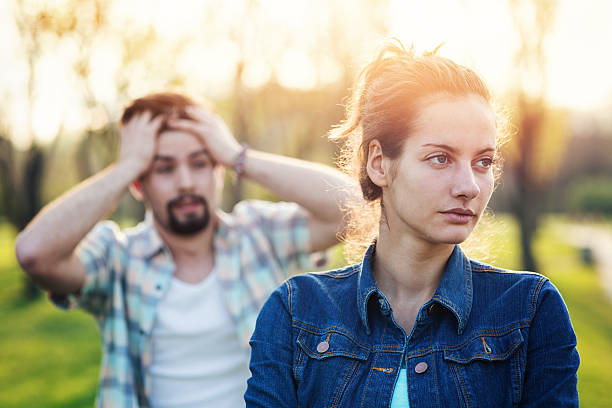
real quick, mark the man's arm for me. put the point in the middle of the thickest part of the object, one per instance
(320, 190)
(46, 247)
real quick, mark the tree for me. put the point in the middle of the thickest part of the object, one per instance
(540, 131)
(22, 176)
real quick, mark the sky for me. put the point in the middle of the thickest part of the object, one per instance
(477, 33)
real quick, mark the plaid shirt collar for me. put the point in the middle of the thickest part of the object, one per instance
(147, 242)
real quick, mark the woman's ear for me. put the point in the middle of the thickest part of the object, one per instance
(377, 165)
(136, 190)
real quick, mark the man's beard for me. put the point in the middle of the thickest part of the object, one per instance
(193, 223)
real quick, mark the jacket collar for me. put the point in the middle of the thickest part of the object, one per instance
(454, 291)
(366, 286)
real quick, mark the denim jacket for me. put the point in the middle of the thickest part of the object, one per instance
(487, 338)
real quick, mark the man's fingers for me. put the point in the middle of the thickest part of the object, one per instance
(157, 121)
(203, 116)
(139, 119)
(197, 113)
(184, 124)
(144, 117)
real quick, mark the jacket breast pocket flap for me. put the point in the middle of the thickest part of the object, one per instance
(331, 344)
(487, 347)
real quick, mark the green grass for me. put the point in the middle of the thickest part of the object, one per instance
(590, 310)
(50, 358)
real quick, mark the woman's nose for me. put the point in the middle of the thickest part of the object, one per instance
(464, 183)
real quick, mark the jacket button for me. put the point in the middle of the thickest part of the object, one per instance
(421, 367)
(322, 347)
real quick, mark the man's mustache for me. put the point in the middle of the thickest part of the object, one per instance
(187, 198)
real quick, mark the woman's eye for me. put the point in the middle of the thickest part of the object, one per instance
(439, 159)
(485, 163)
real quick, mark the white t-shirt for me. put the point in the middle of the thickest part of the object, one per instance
(197, 360)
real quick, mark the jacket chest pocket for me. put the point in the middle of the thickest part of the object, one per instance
(325, 366)
(487, 370)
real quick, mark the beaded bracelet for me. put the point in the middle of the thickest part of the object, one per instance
(239, 161)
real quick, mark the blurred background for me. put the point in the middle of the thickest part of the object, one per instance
(278, 72)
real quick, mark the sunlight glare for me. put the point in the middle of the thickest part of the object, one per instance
(51, 95)
(296, 70)
(474, 33)
(209, 67)
(482, 34)
(580, 62)
(172, 21)
(256, 73)
(292, 14)
(105, 62)
(329, 71)
(136, 13)
(46, 116)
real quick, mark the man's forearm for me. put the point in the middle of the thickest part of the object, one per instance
(320, 189)
(56, 231)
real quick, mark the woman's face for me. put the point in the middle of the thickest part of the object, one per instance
(438, 188)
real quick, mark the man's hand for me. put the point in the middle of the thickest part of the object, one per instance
(46, 248)
(138, 140)
(213, 132)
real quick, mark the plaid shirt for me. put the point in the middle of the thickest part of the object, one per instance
(256, 247)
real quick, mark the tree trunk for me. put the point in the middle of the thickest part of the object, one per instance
(527, 216)
(529, 192)
(240, 128)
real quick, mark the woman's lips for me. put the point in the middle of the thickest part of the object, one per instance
(459, 215)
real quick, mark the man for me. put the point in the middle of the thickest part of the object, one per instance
(177, 296)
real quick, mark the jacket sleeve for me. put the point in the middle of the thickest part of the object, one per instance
(271, 384)
(552, 359)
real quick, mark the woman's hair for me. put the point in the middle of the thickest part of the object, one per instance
(384, 103)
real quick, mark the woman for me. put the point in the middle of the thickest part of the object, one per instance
(416, 323)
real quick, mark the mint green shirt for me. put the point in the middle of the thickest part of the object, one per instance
(400, 394)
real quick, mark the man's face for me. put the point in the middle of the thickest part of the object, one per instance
(181, 186)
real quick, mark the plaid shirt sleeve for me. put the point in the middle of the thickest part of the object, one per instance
(286, 227)
(97, 252)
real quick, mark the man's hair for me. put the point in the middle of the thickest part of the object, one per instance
(162, 103)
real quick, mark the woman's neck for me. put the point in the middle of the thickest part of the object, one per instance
(407, 268)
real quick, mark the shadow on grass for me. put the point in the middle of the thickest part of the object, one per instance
(84, 399)
(16, 301)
